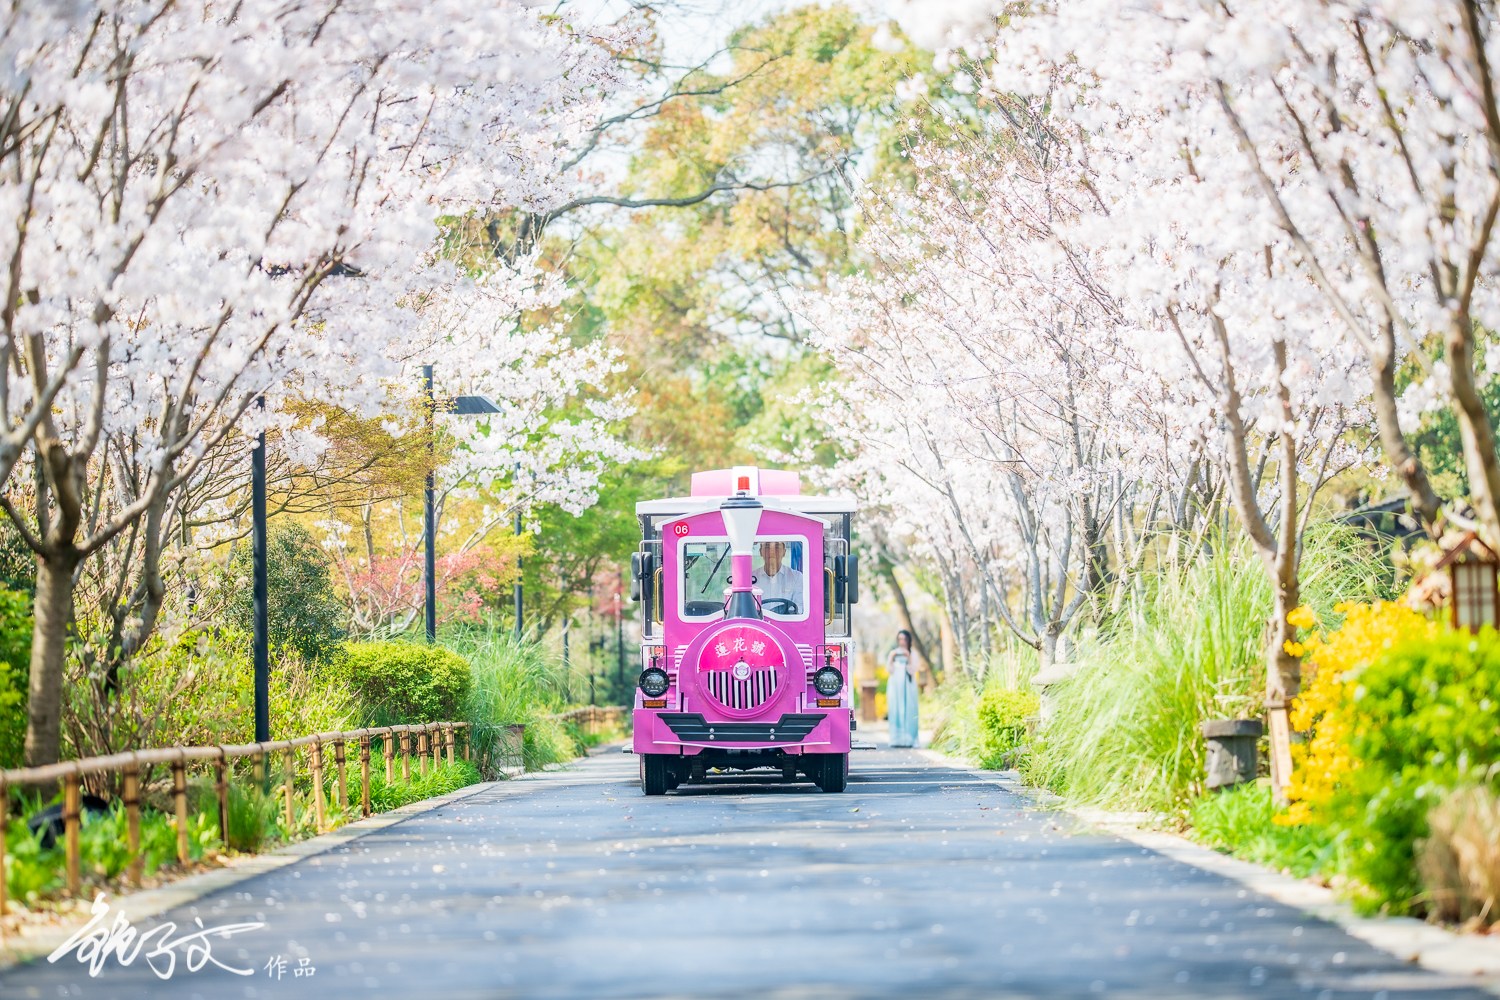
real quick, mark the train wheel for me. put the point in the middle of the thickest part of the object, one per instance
(833, 775)
(653, 774)
(789, 769)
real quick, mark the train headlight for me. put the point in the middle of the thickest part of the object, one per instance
(828, 681)
(654, 682)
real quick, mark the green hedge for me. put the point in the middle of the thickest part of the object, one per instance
(406, 682)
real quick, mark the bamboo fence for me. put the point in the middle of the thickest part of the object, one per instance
(431, 740)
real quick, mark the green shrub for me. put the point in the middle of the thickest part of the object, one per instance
(1002, 715)
(200, 691)
(1427, 721)
(15, 669)
(302, 607)
(952, 709)
(407, 683)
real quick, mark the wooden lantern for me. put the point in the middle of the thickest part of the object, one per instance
(1471, 567)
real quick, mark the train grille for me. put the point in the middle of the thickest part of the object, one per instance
(741, 695)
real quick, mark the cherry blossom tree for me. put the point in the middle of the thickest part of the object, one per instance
(1217, 288)
(211, 206)
(1366, 136)
(997, 408)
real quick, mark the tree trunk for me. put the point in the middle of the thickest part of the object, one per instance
(1283, 681)
(903, 613)
(49, 642)
(1398, 454)
(1474, 428)
(1047, 645)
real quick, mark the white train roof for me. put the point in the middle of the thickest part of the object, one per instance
(683, 506)
(783, 492)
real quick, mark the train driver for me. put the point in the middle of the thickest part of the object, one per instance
(777, 580)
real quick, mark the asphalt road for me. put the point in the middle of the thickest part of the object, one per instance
(919, 881)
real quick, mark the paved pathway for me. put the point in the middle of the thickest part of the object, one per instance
(920, 881)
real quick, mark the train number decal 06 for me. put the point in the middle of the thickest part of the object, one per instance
(680, 529)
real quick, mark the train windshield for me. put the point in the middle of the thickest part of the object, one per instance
(779, 565)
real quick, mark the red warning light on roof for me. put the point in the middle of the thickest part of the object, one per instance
(744, 483)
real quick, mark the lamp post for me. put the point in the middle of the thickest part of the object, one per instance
(429, 522)
(620, 635)
(463, 406)
(519, 564)
(258, 590)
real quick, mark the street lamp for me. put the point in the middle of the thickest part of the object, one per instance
(463, 406)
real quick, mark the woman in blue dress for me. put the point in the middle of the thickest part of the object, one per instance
(901, 692)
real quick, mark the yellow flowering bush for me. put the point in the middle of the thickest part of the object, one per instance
(1327, 703)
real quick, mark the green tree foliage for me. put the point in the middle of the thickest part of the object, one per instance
(15, 664)
(303, 611)
(755, 160)
(407, 683)
(1439, 446)
(17, 561)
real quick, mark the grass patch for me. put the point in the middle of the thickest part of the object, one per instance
(1240, 822)
(440, 781)
(514, 682)
(1123, 732)
(33, 872)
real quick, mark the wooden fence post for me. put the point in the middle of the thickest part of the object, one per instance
(338, 760)
(468, 743)
(388, 747)
(317, 778)
(221, 785)
(70, 828)
(179, 794)
(289, 774)
(422, 751)
(448, 735)
(364, 775)
(406, 755)
(133, 823)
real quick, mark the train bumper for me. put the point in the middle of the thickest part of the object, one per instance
(688, 733)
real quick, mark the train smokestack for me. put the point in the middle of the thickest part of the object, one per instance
(741, 514)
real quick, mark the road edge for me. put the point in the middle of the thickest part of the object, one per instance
(1476, 959)
(16, 949)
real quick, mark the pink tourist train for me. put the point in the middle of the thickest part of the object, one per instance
(748, 587)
